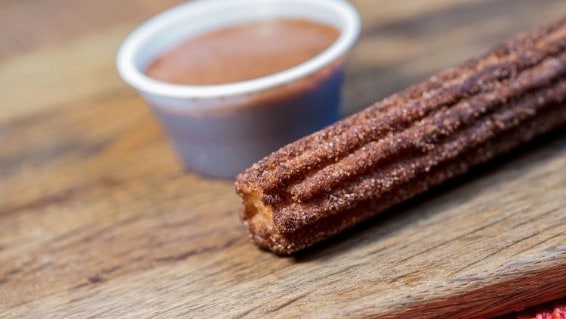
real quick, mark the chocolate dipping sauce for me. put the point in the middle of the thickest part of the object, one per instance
(245, 128)
(243, 52)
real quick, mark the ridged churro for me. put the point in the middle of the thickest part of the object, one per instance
(411, 141)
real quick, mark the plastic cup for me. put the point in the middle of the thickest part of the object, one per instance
(219, 130)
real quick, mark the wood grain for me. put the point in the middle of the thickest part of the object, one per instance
(97, 218)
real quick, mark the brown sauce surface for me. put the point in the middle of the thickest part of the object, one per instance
(243, 52)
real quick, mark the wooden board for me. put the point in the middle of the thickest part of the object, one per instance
(97, 219)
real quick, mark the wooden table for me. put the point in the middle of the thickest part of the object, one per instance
(97, 218)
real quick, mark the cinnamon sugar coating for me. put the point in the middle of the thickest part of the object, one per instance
(411, 141)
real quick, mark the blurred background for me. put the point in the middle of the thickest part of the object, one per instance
(50, 44)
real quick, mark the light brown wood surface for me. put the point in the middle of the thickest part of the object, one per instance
(97, 218)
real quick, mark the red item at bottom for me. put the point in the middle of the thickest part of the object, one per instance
(552, 310)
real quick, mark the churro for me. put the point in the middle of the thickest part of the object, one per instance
(411, 141)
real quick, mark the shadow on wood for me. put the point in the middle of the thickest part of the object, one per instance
(410, 212)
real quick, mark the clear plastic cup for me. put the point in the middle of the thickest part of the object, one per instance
(219, 130)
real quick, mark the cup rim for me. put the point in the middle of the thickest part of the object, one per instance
(131, 47)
